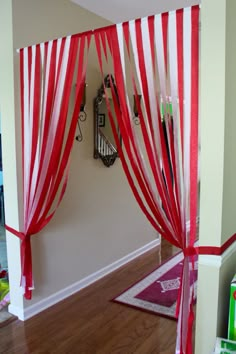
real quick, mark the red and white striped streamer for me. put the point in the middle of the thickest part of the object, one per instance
(47, 74)
(159, 55)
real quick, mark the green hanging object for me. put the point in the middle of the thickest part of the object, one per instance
(168, 109)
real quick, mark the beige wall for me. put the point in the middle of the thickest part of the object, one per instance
(229, 196)
(98, 222)
(212, 105)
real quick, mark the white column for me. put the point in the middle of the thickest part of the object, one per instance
(218, 168)
(10, 158)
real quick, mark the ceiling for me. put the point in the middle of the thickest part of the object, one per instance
(122, 10)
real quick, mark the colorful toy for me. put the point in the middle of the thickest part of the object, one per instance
(232, 310)
(3, 274)
(4, 288)
(5, 301)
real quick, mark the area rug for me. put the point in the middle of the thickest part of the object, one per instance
(158, 291)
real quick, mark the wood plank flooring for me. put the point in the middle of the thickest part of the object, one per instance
(89, 323)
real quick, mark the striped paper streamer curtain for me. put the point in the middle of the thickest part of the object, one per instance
(46, 76)
(159, 56)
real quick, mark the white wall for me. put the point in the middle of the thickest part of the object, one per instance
(98, 222)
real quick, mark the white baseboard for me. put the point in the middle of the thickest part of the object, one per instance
(72, 289)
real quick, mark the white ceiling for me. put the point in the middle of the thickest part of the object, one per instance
(122, 10)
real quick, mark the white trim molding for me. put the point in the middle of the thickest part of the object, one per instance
(217, 261)
(16, 311)
(75, 287)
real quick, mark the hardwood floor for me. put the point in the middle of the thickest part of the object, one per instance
(89, 323)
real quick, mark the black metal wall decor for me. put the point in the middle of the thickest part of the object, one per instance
(104, 143)
(136, 118)
(82, 115)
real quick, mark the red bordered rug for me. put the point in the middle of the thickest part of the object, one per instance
(157, 292)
